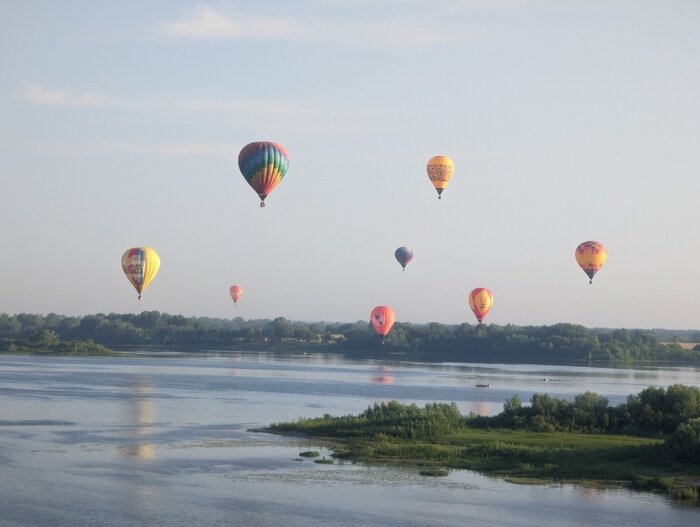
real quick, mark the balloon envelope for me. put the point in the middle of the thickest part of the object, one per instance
(382, 319)
(263, 165)
(404, 255)
(236, 291)
(440, 170)
(591, 256)
(480, 300)
(140, 265)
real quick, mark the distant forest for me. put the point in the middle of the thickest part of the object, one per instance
(554, 344)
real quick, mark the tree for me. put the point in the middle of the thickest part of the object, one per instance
(149, 320)
(684, 445)
(46, 338)
(622, 335)
(303, 333)
(9, 326)
(281, 328)
(512, 405)
(512, 408)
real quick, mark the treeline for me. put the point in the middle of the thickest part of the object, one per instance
(47, 342)
(671, 413)
(152, 328)
(653, 412)
(558, 343)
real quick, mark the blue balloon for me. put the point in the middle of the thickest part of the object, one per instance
(404, 255)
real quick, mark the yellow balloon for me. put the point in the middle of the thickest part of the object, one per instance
(140, 265)
(591, 256)
(440, 170)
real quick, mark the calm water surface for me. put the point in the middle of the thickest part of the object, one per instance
(143, 441)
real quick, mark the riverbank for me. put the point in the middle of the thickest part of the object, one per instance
(438, 439)
(562, 343)
(391, 356)
(72, 348)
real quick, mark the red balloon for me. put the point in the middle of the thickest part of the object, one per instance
(382, 319)
(236, 291)
(480, 300)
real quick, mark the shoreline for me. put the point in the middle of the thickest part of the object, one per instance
(682, 488)
(311, 351)
(528, 449)
(348, 355)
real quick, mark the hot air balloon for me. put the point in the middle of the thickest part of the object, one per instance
(263, 165)
(480, 300)
(236, 291)
(140, 265)
(591, 256)
(382, 319)
(440, 170)
(404, 255)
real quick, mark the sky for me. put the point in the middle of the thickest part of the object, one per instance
(567, 121)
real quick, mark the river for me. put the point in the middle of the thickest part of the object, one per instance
(164, 441)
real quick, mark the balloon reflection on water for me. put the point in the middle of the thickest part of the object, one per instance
(139, 419)
(383, 376)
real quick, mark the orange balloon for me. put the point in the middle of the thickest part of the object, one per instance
(480, 300)
(382, 319)
(591, 256)
(440, 170)
(236, 291)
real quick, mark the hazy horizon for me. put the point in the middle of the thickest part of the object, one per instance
(472, 322)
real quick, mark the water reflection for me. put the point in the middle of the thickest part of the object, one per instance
(139, 420)
(484, 408)
(383, 376)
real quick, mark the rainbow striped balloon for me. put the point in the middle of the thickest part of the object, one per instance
(263, 165)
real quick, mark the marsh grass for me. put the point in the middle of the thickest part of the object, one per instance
(440, 439)
(552, 456)
(434, 472)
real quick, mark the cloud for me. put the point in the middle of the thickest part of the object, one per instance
(37, 94)
(59, 148)
(209, 23)
(301, 115)
(181, 149)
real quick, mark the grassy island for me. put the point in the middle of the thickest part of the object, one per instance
(652, 442)
(46, 342)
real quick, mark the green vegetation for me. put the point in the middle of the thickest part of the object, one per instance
(46, 342)
(309, 453)
(653, 412)
(651, 442)
(434, 472)
(433, 342)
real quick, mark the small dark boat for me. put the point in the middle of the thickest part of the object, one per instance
(482, 385)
